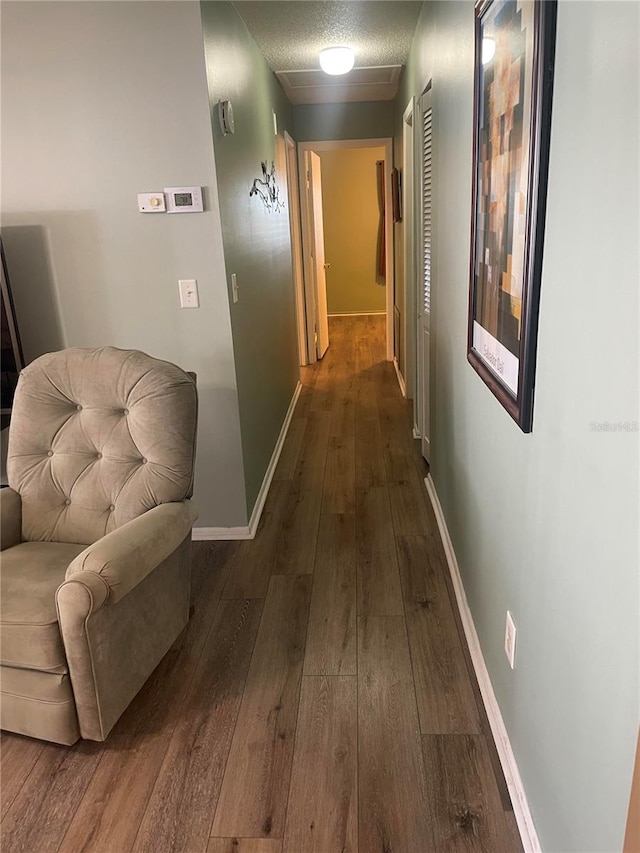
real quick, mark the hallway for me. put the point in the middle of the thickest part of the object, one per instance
(321, 698)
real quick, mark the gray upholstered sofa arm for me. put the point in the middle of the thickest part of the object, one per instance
(10, 518)
(123, 603)
(122, 558)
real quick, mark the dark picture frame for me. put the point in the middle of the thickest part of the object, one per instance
(396, 200)
(12, 356)
(513, 87)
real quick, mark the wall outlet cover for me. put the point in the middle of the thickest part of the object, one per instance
(510, 640)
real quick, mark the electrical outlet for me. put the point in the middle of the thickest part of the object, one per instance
(234, 287)
(510, 640)
(188, 293)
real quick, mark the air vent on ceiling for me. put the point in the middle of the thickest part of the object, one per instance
(313, 86)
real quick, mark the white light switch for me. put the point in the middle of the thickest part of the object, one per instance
(234, 287)
(188, 293)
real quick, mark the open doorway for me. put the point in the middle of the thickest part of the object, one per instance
(348, 257)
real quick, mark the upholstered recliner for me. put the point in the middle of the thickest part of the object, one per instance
(95, 537)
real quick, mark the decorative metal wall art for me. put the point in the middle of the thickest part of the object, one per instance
(267, 189)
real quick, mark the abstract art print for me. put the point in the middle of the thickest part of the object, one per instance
(515, 46)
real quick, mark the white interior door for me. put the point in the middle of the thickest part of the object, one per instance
(314, 191)
(423, 332)
(293, 195)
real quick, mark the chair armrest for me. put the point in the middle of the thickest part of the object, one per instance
(115, 564)
(122, 605)
(10, 518)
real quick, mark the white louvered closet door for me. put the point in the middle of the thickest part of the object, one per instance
(424, 279)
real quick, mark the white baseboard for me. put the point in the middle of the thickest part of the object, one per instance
(401, 382)
(204, 534)
(517, 793)
(360, 314)
(416, 432)
(200, 534)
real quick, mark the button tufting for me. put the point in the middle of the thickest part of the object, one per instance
(98, 455)
(67, 501)
(50, 453)
(125, 411)
(144, 461)
(111, 508)
(79, 407)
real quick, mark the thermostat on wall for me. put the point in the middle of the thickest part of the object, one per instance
(184, 199)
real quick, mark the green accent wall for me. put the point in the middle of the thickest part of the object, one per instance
(359, 120)
(257, 246)
(546, 524)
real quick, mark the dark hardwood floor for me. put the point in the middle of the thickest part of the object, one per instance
(321, 699)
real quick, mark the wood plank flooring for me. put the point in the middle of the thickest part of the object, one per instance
(321, 699)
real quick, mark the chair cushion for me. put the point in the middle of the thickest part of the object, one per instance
(97, 437)
(30, 574)
(38, 704)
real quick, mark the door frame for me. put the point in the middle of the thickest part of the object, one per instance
(319, 332)
(410, 239)
(423, 430)
(295, 226)
(332, 145)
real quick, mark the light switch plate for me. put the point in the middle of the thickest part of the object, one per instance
(188, 293)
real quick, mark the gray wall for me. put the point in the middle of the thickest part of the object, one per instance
(360, 120)
(547, 524)
(257, 245)
(101, 101)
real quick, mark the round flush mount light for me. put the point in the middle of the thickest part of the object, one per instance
(336, 60)
(488, 50)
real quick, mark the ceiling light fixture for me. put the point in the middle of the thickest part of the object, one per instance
(336, 60)
(488, 50)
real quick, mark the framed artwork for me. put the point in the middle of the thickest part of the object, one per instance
(514, 58)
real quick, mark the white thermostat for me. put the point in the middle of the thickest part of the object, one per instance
(151, 202)
(184, 199)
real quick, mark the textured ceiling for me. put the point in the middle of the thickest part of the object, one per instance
(291, 33)
(361, 84)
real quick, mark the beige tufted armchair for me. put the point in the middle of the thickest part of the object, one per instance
(95, 537)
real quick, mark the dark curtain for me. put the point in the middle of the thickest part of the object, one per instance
(381, 256)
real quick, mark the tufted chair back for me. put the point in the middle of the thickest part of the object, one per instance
(98, 437)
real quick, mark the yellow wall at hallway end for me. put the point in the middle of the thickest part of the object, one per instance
(351, 218)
